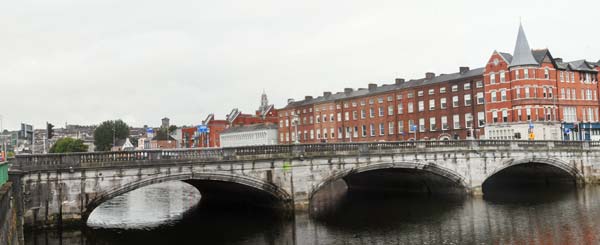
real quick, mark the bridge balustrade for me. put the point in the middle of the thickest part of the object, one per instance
(569, 143)
(496, 143)
(541, 143)
(592, 143)
(51, 161)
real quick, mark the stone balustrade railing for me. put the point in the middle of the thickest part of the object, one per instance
(100, 159)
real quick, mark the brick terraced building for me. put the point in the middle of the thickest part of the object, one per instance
(530, 91)
(526, 95)
(440, 108)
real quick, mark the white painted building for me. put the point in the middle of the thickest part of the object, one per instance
(520, 131)
(256, 134)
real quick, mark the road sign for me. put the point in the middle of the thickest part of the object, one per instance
(149, 130)
(567, 131)
(530, 125)
(202, 129)
(413, 127)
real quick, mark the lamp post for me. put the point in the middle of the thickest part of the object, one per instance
(295, 120)
(114, 133)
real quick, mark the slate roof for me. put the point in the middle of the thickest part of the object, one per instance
(522, 55)
(361, 92)
(540, 54)
(508, 57)
(247, 128)
(581, 65)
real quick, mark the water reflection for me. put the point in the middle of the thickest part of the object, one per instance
(544, 217)
(167, 202)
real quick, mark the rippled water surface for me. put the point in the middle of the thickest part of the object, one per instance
(156, 215)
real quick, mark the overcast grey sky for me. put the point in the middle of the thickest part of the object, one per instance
(83, 62)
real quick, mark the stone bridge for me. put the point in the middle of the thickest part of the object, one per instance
(56, 188)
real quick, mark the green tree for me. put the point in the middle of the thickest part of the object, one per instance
(65, 145)
(172, 129)
(103, 135)
(134, 141)
(162, 134)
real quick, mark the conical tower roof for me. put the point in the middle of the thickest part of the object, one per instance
(522, 55)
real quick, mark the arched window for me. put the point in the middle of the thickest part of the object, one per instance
(546, 73)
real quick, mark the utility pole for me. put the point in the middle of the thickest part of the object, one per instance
(3, 138)
(295, 120)
(32, 139)
(114, 134)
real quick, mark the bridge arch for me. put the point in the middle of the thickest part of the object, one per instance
(561, 166)
(426, 167)
(246, 181)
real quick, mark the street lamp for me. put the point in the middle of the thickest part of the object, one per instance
(295, 121)
(3, 143)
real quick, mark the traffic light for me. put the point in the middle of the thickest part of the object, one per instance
(576, 127)
(49, 130)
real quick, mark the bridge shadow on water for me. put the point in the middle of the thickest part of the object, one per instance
(156, 215)
(529, 183)
(387, 198)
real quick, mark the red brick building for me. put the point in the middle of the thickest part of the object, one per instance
(266, 114)
(212, 137)
(530, 91)
(441, 107)
(514, 95)
(188, 137)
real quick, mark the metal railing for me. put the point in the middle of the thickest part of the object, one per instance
(91, 159)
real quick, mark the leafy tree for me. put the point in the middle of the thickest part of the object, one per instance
(103, 135)
(134, 141)
(172, 129)
(68, 145)
(162, 134)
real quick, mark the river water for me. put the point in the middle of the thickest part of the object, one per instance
(167, 214)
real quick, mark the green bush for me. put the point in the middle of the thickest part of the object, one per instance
(65, 145)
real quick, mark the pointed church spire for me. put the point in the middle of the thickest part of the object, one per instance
(522, 55)
(264, 102)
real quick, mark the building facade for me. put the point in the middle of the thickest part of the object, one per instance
(249, 135)
(448, 106)
(532, 95)
(525, 95)
(266, 114)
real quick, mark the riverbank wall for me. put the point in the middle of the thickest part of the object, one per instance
(9, 220)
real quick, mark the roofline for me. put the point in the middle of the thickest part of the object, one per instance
(421, 81)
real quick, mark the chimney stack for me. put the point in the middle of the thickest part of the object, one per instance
(399, 81)
(372, 86)
(429, 75)
(348, 90)
(463, 69)
(290, 100)
(308, 97)
(326, 94)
